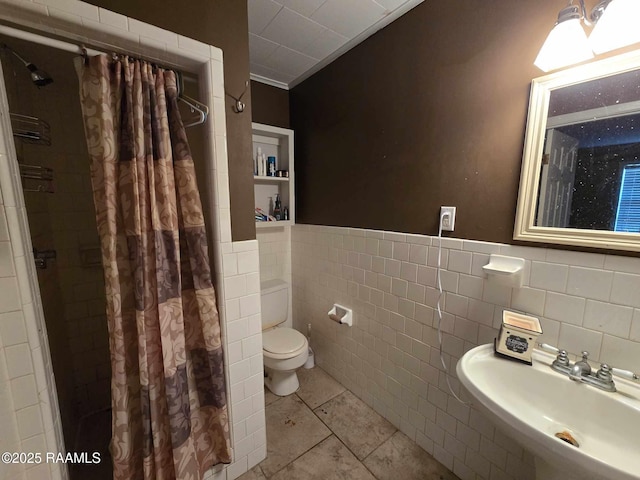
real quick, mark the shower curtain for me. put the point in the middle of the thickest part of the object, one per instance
(170, 418)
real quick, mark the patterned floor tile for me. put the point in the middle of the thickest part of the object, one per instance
(254, 474)
(316, 387)
(292, 429)
(399, 457)
(270, 397)
(357, 425)
(329, 460)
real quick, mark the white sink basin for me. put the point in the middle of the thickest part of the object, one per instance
(533, 403)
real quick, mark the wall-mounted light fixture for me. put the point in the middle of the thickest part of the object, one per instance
(616, 24)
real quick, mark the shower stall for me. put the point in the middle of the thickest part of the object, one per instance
(52, 296)
(54, 169)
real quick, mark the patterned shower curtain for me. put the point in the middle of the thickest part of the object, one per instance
(170, 418)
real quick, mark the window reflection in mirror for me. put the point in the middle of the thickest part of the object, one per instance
(590, 169)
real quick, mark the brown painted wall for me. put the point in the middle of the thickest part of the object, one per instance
(270, 105)
(222, 23)
(429, 111)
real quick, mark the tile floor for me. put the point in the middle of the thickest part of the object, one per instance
(325, 432)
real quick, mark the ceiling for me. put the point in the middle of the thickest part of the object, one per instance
(290, 40)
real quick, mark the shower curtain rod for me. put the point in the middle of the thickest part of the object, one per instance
(59, 44)
(196, 107)
(49, 42)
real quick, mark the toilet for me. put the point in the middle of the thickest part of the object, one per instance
(283, 349)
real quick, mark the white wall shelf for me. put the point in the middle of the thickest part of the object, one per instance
(260, 178)
(280, 223)
(277, 142)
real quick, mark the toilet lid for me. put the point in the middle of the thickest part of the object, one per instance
(282, 340)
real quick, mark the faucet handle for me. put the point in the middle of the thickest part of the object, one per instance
(625, 374)
(549, 348)
(562, 359)
(605, 373)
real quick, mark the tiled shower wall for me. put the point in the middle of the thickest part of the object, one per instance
(390, 357)
(80, 274)
(18, 391)
(25, 99)
(75, 307)
(29, 419)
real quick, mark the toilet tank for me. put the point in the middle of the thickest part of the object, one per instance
(274, 298)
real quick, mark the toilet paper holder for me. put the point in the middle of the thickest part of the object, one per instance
(341, 314)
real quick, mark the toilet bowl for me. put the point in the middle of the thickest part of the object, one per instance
(283, 349)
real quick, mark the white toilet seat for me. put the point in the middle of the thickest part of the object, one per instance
(283, 343)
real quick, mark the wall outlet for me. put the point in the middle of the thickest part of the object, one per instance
(448, 218)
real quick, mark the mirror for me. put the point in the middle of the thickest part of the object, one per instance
(580, 180)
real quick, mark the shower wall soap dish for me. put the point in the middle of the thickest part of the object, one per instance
(504, 270)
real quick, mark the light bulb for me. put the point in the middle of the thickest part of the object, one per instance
(566, 44)
(617, 27)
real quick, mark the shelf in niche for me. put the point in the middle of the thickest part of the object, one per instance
(260, 178)
(276, 142)
(277, 223)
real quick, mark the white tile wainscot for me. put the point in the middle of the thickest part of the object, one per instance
(243, 332)
(390, 357)
(275, 259)
(275, 253)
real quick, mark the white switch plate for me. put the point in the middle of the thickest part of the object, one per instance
(448, 218)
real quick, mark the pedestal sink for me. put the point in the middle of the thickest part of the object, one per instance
(532, 404)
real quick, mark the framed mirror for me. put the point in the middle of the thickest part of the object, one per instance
(580, 180)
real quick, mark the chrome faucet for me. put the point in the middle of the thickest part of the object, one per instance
(581, 370)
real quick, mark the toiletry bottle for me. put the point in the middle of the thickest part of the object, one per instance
(285, 213)
(277, 207)
(256, 162)
(271, 166)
